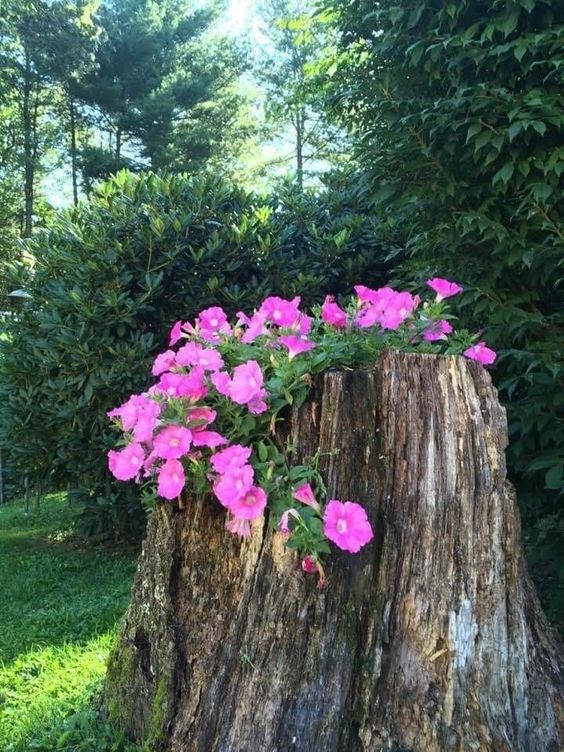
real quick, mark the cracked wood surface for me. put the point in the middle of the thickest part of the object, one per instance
(430, 639)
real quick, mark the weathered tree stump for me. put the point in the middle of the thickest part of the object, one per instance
(430, 639)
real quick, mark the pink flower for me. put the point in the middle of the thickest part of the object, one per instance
(234, 456)
(279, 311)
(127, 463)
(246, 384)
(235, 482)
(333, 314)
(398, 308)
(255, 327)
(212, 322)
(296, 344)
(257, 405)
(303, 324)
(200, 417)
(481, 353)
(437, 330)
(283, 525)
(239, 526)
(190, 385)
(304, 493)
(163, 362)
(221, 381)
(193, 354)
(171, 479)
(384, 306)
(201, 437)
(368, 295)
(175, 333)
(172, 442)
(250, 504)
(309, 564)
(145, 426)
(346, 524)
(443, 288)
(139, 414)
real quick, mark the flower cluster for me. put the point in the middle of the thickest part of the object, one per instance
(209, 421)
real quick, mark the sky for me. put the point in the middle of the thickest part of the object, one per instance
(239, 16)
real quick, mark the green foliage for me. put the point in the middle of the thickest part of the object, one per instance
(459, 112)
(59, 605)
(162, 86)
(112, 276)
(295, 37)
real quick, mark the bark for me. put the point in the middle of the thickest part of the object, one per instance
(300, 123)
(29, 157)
(431, 638)
(73, 149)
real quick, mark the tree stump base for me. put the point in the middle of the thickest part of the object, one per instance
(430, 639)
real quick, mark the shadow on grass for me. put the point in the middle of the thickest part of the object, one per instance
(60, 603)
(55, 589)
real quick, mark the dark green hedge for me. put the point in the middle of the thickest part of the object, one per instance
(113, 275)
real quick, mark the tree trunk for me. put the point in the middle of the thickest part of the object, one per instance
(430, 639)
(29, 160)
(300, 121)
(73, 149)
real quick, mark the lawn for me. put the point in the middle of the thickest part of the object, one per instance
(60, 604)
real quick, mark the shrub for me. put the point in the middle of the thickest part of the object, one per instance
(110, 278)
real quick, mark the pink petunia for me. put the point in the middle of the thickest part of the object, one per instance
(246, 383)
(481, 353)
(346, 525)
(175, 333)
(304, 493)
(279, 311)
(373, 297)
(437, 330)
(227, 459)
(284, 524)
(443, 288)
(139, 414)
(172, 442)
(212, 322)
(250, 504)
(309, 565)
(257, 405)
(171, 479)
(333, 314)
(126, 464)
(200, 417)
(163, 362)
(256, 327)
(177, 385)
(235, 482)
(296, 344)
(202, 437)
(238, 526)
(193, 354)
(386, 307)
(145, 427)
(222, 382)
(303, 324)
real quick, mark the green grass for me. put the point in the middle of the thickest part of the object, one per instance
(60, 604)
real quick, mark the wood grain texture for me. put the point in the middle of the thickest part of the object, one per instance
(430, 639)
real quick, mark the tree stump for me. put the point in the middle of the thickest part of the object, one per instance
(431, 638)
